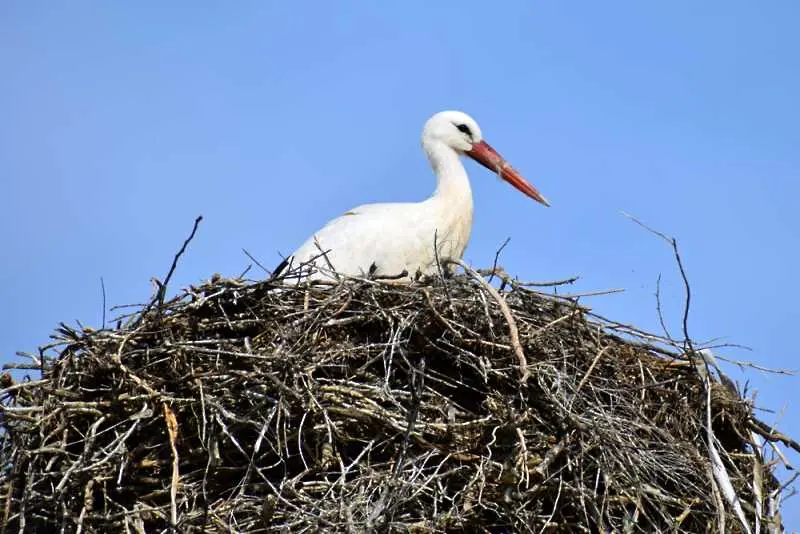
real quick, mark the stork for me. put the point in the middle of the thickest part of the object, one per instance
(406, 240)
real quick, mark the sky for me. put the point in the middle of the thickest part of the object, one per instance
(120, 122)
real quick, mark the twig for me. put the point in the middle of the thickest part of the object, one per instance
(163, 286)
(763, 430)
(564, 282)
(720, 474)
(103, 289)
(553, 453)
(757, 367)
(8, 500)
(259, 263)
(439, 316)
(506, 311)
(500, 273)
(591, 368)
(172, 430)
(497, 257)
(597, 293)
(687, 288)
(661, 319)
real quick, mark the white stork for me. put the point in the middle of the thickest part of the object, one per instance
(405, 240)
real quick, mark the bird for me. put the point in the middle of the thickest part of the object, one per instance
(404, 241)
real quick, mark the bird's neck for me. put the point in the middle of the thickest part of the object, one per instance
(451, 202)
(452, 183)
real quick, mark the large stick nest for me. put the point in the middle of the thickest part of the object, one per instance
(373, 406)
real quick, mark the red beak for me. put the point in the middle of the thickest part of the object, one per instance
(484, 154)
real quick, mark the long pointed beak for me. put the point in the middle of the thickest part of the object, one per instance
(484, 154)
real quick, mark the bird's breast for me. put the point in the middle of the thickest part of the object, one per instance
(453, 231)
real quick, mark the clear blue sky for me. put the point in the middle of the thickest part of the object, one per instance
(122, 121)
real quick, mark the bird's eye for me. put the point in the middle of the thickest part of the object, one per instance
(464, 129)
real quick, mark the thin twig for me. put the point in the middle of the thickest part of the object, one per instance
(763, 430)
(497, 257)
(591, 368)
(506, 311)
(103, 289)
(163, 286)
(687, 288)
(172, 431)
(257, 262)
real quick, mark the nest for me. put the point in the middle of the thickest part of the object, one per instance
(373, 406)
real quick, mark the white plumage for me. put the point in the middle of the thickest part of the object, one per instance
(402, 239)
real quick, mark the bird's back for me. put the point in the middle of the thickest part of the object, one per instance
(383, 240)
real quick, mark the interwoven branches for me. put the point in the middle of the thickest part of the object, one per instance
(371, 407)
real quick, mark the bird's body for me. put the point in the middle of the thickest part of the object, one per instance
(409, 239)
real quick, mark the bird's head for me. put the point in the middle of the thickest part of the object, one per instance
(460, 132)
(455, 129)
